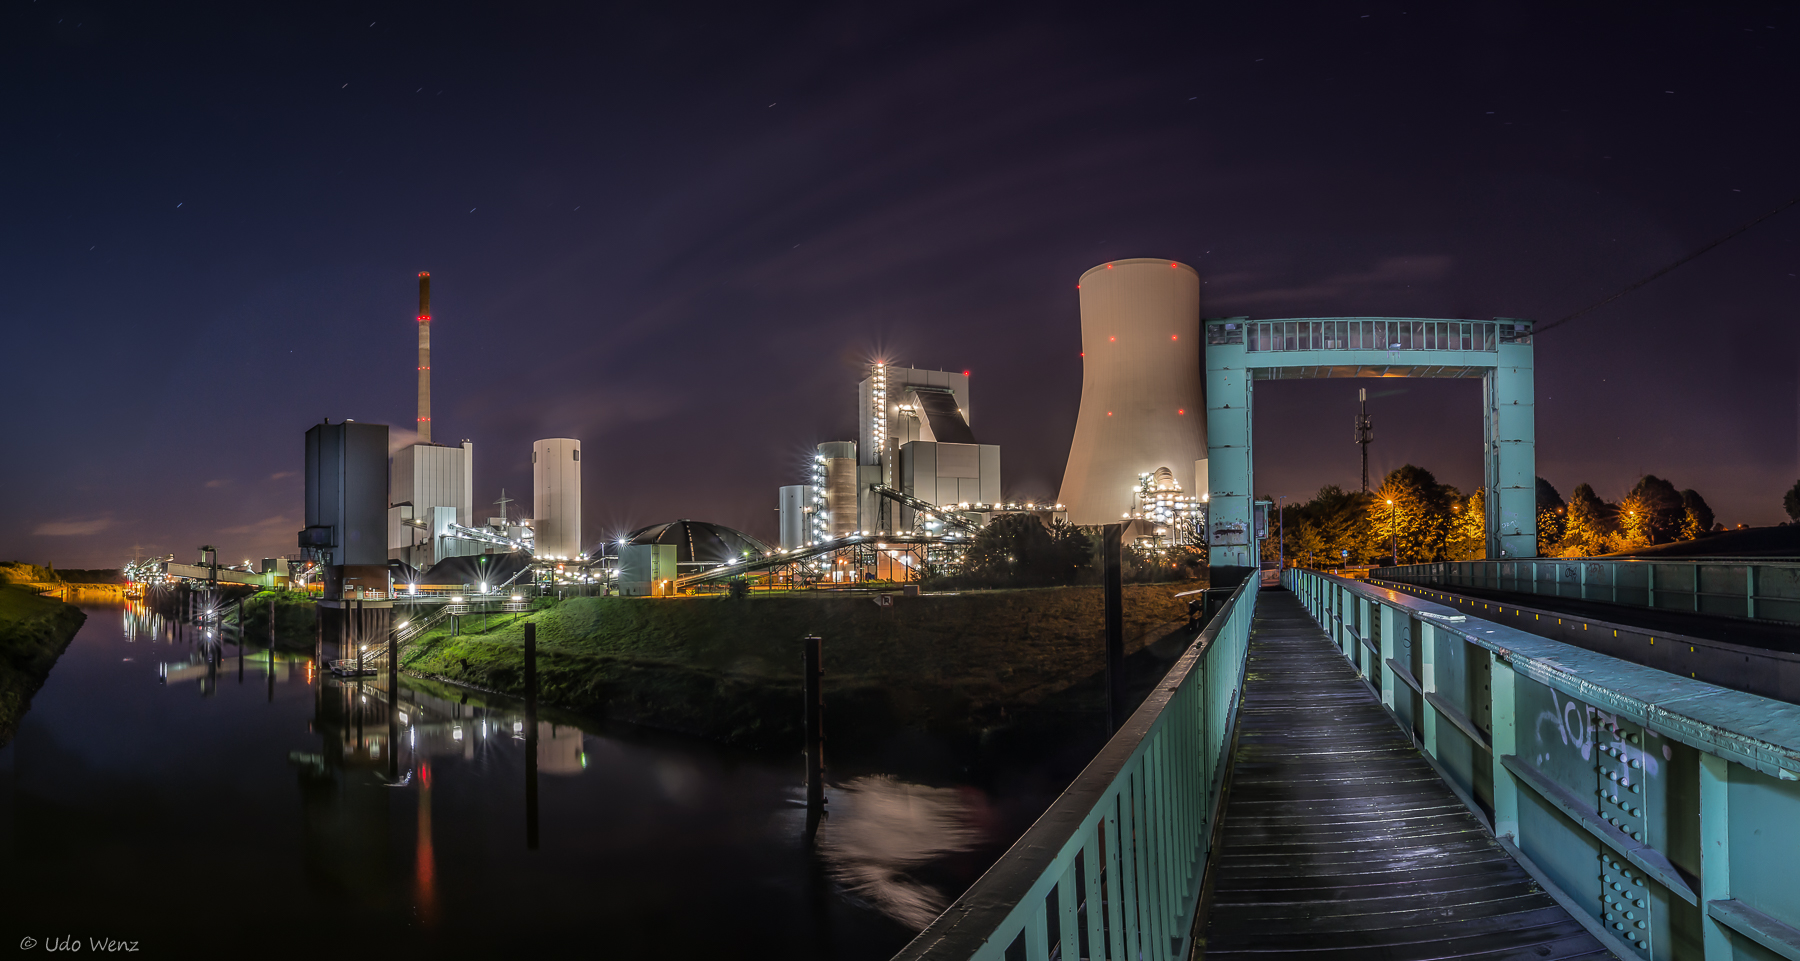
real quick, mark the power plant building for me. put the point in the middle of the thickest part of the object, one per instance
(346, 494)
(915, 439)
(1143, 404)
(835, 491)
(433, 488)
(556, 497)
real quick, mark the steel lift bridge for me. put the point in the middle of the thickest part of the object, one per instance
(1383, 769)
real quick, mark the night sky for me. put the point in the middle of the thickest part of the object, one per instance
(678, 234)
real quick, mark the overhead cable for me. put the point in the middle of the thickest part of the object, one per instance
(1714, 243)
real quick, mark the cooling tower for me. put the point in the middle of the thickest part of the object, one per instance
(556, 497)
(1142, 402)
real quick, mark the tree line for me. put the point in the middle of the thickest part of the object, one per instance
(1413, 519)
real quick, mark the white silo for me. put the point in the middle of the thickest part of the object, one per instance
(1142, 399)
(556, 496)
(794, 503)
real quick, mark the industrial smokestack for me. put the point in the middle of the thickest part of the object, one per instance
(424, 357)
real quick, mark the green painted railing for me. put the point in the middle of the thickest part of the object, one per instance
(1661, 811)
(1752, 588)
(1114, 868)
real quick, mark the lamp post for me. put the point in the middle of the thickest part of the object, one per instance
(1281, 533)
(1394, 531)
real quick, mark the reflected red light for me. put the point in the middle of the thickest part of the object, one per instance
(1174, 337)
(1109, 266)
(1112, 338)
(1181, 410)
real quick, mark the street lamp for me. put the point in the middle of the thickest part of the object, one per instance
(1394, 531)
(1281, 535)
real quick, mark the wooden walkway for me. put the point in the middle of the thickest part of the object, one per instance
(1339, 839)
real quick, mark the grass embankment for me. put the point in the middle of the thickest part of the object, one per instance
(729, 669)
(34, 631)
(296, 619)
(70, 584)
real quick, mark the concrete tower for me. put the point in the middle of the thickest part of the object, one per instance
(556, 496)
(1142, 403)
(424, 357)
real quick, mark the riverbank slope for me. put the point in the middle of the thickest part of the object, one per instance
(34, 631)
(70, 585)
(729, 669)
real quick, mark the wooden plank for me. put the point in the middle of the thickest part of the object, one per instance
(1338, 838)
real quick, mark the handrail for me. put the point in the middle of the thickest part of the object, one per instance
(1138, 819)
(1756, 589)
(1662, 811)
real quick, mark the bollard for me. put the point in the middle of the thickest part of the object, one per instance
(531, 739)
(812, 669)
(1112, 535)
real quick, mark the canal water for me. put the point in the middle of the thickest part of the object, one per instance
(171, 792)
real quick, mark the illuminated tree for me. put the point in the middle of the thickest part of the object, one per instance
(1552, 518)
(1652, 513)
(1412, 509)
(1589, 523)
(1697, 517)
(1320, 531)
(1468, 528)
(1019, 550)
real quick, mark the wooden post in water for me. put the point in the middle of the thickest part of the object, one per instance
(1112, 536)
(812, 671)
(531, 739)
(240, 639)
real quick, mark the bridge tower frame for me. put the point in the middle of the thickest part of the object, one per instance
(1240, 351)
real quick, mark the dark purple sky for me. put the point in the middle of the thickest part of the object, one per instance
(677, 234)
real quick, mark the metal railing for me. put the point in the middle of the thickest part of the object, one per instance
(1113, 870)
(1662, 812)
(419, 625)
(1749, 588)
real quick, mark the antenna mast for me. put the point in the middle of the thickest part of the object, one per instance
(1365, 432)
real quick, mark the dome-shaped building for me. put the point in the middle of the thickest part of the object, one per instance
(698, 544)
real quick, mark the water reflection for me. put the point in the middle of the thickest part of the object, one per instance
(883, 830)
(306, 779)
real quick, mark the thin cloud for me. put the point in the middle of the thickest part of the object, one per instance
(259, 527)
(222, 482)
(72, 528)
(1388, 274)
(278, 475)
